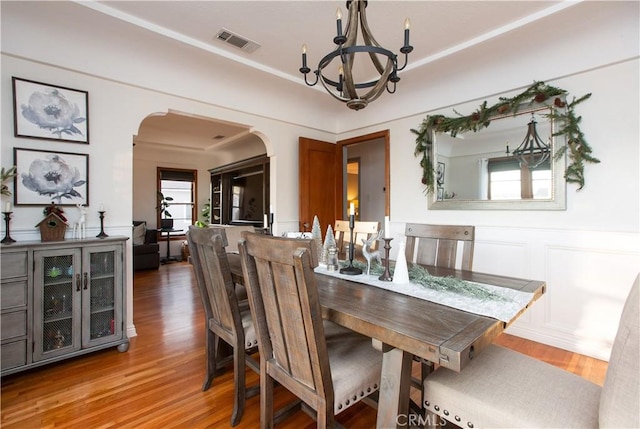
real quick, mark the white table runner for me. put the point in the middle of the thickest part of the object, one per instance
(504, 308)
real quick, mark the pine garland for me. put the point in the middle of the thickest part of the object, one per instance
(539, 92)
(420, 275)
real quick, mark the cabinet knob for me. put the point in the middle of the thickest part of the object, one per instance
(86, 281)
(78, 282)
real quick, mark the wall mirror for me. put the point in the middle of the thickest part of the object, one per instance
(473, 170)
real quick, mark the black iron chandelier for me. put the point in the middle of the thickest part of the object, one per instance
(346, 88)
(532, 151)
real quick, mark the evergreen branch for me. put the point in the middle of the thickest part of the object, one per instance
(577, 147)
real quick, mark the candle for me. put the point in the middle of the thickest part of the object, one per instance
(387, 228)
(7, 207)
(352, 209)
(266, 221)
(101, 207)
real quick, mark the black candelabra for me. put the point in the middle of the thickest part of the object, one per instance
(351, 270)
(386, 276)
(102, 233)
(7, 238)
(271, 217)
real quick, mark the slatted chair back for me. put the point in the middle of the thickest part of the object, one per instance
(295, 344)
(214, 279)
(224, 318)
(361, 230)
(437, 245)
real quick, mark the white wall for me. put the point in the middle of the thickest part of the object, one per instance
(588, 254)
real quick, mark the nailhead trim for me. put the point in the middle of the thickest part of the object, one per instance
(354, 398)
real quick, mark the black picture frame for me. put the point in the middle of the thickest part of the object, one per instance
(50, 176)
(50, 112)
(440, 174)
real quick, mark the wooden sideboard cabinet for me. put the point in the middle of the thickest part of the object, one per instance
(61, 299)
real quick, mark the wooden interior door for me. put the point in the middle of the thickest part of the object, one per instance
(320, 186)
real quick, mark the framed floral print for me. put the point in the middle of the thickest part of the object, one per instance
(49, 112)
(45, 177)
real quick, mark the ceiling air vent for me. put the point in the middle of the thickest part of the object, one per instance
(236, 40)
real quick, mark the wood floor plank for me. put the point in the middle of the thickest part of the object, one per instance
(156, 384)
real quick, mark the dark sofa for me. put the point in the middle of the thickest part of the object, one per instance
(146, 256)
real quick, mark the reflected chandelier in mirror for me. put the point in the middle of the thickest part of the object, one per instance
(566, 133)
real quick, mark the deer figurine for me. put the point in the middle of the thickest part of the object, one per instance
(369, 254)
(79, 225)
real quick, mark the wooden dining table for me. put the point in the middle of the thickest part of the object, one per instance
(403, 326)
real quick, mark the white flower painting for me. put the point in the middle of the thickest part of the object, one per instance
(45, 177)
(50, 112)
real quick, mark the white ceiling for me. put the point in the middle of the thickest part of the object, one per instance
(438, 29)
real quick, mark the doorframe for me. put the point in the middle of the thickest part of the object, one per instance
(385, 134)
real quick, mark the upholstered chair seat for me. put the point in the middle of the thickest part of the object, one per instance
(502, 388)
(355, 365)
(505, 389)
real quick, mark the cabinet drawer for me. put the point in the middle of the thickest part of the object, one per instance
(13, 264)
(14, 324)
(14, 354)
(14, 294)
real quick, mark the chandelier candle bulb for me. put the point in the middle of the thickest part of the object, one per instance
(304, 56)
(407, 25)
(339, 22)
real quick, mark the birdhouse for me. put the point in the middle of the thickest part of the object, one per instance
(52, 228)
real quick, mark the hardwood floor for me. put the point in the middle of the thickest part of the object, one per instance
(157, 382)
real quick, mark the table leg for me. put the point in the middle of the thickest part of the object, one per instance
(395, 384)
(168, 247)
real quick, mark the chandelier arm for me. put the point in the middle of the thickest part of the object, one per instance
(406, 61)
(380, 86)
(351, 31)
(330, 86)
(307, 82)
(370, 40)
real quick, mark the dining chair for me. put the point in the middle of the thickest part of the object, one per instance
(361, 230)
(228, 323)
(503, 388)
(437, 245)
(328, 367)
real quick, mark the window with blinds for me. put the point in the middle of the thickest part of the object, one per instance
(509, 181)
(180, 185)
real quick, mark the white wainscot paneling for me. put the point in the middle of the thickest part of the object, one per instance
(586, 290)
(506, 259)
(501, 257)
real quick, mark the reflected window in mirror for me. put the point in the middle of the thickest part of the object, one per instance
(508, 180)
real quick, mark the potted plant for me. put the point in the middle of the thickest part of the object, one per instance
(163, 204)
(206, 213)
(6, 176)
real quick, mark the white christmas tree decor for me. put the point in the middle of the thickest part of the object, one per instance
(316, 234)
(329, 241)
